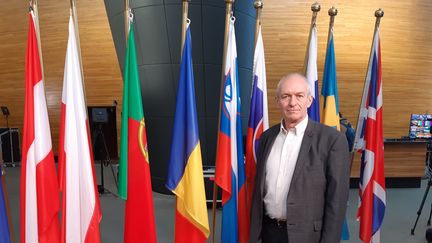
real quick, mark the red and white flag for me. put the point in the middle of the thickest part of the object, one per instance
(39, 202)
(81, 213)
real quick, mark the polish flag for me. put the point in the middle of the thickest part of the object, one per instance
(39, 204)
(81, 213)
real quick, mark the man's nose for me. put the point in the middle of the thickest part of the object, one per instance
(292, 101)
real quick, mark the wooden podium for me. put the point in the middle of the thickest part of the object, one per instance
(404, 163)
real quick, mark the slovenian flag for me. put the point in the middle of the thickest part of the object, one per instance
(230, 167)
(258, 116)
(185, 174)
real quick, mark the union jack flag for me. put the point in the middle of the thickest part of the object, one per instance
(370, 143)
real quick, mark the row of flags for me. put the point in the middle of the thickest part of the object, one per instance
(40, 186)
(369, 140)
(80, 207)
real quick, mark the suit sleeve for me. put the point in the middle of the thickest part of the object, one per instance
(337, 173)
(257, 205)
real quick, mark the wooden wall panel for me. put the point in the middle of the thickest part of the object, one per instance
(406, 34)
(102, 77)
(405, 37)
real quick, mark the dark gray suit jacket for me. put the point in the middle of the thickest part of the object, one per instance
(318, 194)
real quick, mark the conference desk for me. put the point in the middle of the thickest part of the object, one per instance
(404, 163)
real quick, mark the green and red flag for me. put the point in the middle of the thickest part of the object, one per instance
(134, 171)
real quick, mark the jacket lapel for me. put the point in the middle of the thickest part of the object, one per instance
(266, 152)
(304, 150)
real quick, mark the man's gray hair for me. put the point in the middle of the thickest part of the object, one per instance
(289, 76)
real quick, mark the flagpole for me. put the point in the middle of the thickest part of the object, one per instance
(34, 7)
(126, 19)
(75, 20)
(379, 13)
(332, 12)
(185, 11)
(315, 7)
(258, 4)
(228, 15)
(77, 38)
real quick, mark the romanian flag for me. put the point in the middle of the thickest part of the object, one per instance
(258, 116)
(134, 173)
(230, 165)
(330, 114)
(39, 202)
(185, 174)
(81, 212)
(4, 224)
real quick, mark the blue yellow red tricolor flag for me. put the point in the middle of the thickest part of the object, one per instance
(329, 91)
(230, 168)
(4, 224)
(258, 115)
(370, 143)
(185, 174)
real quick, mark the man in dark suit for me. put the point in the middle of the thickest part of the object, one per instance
(302, 177)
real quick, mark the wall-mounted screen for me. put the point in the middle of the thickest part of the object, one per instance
(420, 126)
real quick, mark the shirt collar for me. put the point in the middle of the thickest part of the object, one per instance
(298, 129)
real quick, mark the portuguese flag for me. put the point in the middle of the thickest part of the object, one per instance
(134, 172)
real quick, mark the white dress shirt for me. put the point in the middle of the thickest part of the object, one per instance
(280, 167)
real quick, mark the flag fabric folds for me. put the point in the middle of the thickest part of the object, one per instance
(329, 91)
(134, 173)
(39, 202)
(4, 224)
(185, 175)
(230, 167)
(312, 75)
(370, 143)
(330, 116)
(81, 213)
(258, 116)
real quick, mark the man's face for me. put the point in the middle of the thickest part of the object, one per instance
(294, 99)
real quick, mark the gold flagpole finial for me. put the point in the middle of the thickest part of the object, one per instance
(258, 4)
(379, 13)
(315, 7)
(332, 11)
